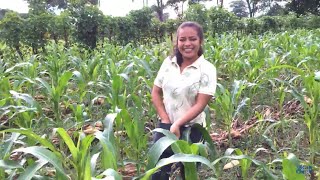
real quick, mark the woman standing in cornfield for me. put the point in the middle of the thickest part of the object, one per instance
(182, 89)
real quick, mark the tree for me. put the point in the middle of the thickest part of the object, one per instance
(198, 13)
(125, 30)
(175, 5)
(158, 8)
(252, 7)
(239, 8)
(63, 26)
(142, 20)
(108, 29)
(60, 4)
(196, 1)
(37, 29)
(158, 30)
(277, 10)
(171, 27)
(87, 22)
(221, 20)
(37, 6)
(3, 13)
(304, 7)
(11, 31)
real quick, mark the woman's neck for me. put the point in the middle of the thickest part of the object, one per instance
(187, 62)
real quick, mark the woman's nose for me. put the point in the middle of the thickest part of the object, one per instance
(187, 42)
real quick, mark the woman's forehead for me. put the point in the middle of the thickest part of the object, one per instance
(187, 31)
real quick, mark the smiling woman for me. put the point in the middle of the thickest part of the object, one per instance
(182, 89)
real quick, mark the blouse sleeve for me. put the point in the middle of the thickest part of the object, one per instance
(160, 76)
(208, 80)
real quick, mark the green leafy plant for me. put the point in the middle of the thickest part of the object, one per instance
(184, 151)
(81, 164)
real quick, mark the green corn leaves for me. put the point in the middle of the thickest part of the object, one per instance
(44, 156)
(188, 158)
(184, 152)
(290, 169)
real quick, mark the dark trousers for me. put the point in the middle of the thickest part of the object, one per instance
(165, 171)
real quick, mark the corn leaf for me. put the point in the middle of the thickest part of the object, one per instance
(66, 139)
(32, 169)
(9, 164)
(44, 155)
(173, 159)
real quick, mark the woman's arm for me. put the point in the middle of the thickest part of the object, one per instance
(157, 101)
(201, 102)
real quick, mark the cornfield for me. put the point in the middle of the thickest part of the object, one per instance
(79, 114)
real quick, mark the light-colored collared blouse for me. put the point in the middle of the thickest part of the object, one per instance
(180, 89)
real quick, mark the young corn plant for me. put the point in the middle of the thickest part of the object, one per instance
(228, 105)
(184, 151)
(293, 168)
(23, 75)
(81, 165)
(24, 109)
(245, 162)
(311, 114)
(311, 108)
(55, 92)
(137, 138)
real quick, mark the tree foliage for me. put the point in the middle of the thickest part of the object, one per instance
(239, 8)
(11, 30)
(63, 26)
(195, 1)
(60, 4)
(221, 20)
(142, 21)
(83, 23)
(87, 22)
(197, 13)
(158, 8)
(277, 10)
(252, 7)
(3, 13)
(177, 6)
(37, 30)
(304, 7)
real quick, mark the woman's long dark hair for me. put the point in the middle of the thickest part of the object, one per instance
(197, 27)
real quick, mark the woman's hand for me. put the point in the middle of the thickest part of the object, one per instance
(175, 129)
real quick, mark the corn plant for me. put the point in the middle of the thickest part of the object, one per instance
(245, 162)
(184, 151)
(311, 114)
(55, 92)
(291, 167)
(228, 105)
(81, 165)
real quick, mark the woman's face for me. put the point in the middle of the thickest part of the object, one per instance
(189, 43)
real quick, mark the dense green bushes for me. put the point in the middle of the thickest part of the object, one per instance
(87, 25)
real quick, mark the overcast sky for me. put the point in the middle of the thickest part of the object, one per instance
(108, 7)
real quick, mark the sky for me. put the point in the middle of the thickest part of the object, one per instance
(108, 7)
